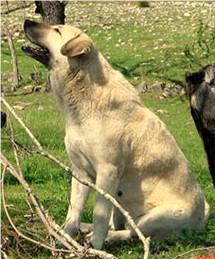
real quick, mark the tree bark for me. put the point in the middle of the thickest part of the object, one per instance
(52, 12)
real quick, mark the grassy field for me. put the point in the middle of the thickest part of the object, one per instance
(155, 44)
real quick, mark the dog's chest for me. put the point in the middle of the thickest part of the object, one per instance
(84, 146)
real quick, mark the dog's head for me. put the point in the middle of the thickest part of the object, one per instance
(56, 43)
(204, 77)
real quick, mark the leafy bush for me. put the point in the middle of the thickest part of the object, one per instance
(202, 51)
(144, 4)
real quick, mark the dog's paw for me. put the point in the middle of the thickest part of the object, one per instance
(71, 230)
(116, 236)
(95, 242)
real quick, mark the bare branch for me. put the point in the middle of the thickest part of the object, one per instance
(14, 59)
(8, 166)
(195, 250)
(12, 111)
(72, 246)
(15, 147)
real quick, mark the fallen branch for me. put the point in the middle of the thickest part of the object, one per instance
(145, 241)
(10, 168)
(53, 229)
(195, 250)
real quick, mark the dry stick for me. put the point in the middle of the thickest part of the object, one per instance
(14, 59)
(49, 223)
(18, 145)
(145, 241)
(14, 147)
(35, 141)
(15, 150)
(9, 167)
(195, 250)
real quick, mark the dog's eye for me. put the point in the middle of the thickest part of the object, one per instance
(57, 30)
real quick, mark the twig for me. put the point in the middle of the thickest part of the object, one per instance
(16, 8)
(145, 241)
(72, 246)
(195, 250)
(12, 111)
(19, 233)
(14, 59)
(18, 145)
(14, 147)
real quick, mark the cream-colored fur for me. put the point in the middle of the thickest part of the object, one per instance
(116, 142)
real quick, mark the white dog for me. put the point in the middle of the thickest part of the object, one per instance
(114, 141)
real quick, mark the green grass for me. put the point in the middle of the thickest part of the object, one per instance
(150, 53)
(52, 185)
(141, 54)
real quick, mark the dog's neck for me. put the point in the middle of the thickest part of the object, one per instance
(75, 86)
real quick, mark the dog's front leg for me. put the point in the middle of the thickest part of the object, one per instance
(79, 196)
(108, 180)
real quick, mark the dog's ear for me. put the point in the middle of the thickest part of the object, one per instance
(195, 78)
(77, 46)
(193, 81)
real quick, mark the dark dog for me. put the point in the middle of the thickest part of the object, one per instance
(201, 92)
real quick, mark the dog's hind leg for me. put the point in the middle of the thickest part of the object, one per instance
(162, 222)
(79, 196)
(169, 219)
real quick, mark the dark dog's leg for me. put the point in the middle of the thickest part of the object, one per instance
(208, 139)
(209, 145)
(3, 119)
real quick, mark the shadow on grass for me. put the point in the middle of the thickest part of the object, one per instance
(177, 69)
(126, 71)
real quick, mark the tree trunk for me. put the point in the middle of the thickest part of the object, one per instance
(52, 12)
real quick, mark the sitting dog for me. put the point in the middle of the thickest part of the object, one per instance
(201, 91)
(115, 142)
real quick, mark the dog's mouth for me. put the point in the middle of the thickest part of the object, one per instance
(41, 54)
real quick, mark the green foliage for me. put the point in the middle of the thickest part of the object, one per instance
(144, 4)
(202, 51)
(52, 185)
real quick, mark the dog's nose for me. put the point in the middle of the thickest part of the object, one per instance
(29, 23)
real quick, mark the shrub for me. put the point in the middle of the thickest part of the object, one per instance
(144, 4)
